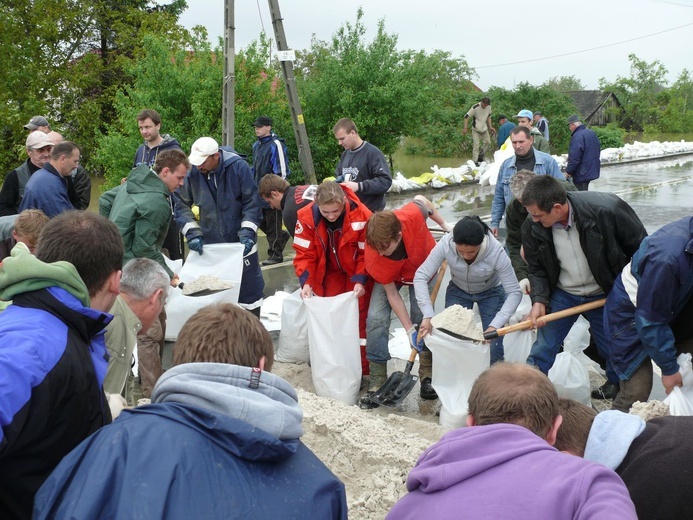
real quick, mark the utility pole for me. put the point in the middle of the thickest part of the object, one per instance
(228, 113)
(286, 61)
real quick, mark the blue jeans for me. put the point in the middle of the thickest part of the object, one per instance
(489, 302)
(378, 322)
(550, 337)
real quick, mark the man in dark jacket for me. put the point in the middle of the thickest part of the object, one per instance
(583, 154)
(653, 458)
(221, 184)
(362, 167)
(270, 157)
(659, 279)
(221, 439)
(53, 358)
(47, 189)
(575, 248)
(38, 148)
(78, 182)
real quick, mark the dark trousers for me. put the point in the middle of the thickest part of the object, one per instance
(271, 225)
(582, 186)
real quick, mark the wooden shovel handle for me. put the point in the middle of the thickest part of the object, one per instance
(527, 324)
(436, 287)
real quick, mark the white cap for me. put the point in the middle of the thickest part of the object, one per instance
(38, 139)
(201, 149)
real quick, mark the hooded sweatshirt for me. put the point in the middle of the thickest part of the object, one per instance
(219, 441)
(52, 366)
(506, 471)
(147, 156)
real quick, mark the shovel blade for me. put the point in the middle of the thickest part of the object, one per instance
(395, 389)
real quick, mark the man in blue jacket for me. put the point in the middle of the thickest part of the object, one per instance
(52, 354)
(583, 154)
(649, 313)
(47, 189)
(221, 185)
(221, 439)
(526, 158)
(270, 157)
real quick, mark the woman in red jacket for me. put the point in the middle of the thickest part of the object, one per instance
(329, 243)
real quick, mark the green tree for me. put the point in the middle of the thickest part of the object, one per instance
(564, 83)
(383, 90)
(640, 94)
(184, 84)
(64, 59)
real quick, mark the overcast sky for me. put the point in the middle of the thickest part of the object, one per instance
(491, 37)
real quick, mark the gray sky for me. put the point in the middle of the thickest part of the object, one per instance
(503, 33)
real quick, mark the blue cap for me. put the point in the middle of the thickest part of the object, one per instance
(525, 113)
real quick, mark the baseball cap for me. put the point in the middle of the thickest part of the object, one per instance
(525, 113)
(37, 139)
(35, 122)
(573, 119)
(201, 149)
(262, 121)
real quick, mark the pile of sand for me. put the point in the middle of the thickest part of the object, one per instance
(459, 320)
(206, 282)
(371, 451)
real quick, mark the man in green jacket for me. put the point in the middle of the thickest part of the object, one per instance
(141, 210)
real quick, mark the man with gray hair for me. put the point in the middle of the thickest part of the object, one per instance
(583, 154)
(143, 289)
(38, 148)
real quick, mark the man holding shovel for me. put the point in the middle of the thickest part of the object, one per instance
(397, 243)
(575, 249)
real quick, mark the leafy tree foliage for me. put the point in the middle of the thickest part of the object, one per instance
(386, 92)
(64, 59)
(184, 84)
(564, 83)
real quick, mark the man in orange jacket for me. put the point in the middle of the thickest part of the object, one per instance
(397, 243)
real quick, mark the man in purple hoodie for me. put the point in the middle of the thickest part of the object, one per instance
(504, 466)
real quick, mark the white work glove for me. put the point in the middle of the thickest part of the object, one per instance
(524, 286)
(447, 227)
(117, 404)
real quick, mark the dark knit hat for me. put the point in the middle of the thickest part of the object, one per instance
(469, 231)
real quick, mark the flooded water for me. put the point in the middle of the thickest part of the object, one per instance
(659, 191)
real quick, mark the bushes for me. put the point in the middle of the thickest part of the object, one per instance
(610, 136)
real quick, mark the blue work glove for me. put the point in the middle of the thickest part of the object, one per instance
(339, 178)
(411, 335)
(248, 244)
(195, 244)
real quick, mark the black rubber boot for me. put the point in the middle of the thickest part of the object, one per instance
(427, 391)
(606, 391)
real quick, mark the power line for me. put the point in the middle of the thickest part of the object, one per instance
(584, 50)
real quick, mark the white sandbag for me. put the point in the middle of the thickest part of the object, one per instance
(571, 378)
(456, 365)
(224, 261)
(335, 352)
(578, 337)
(680, 400)
(517, 345)
(293, 336)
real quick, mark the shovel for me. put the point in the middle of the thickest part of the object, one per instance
(202, 292)
(527, 324)
(399, 384)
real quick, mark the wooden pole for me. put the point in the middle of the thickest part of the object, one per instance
(228, 110)
(287, 66)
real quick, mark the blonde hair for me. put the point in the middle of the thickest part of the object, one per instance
(29, 224)
(329, 193)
